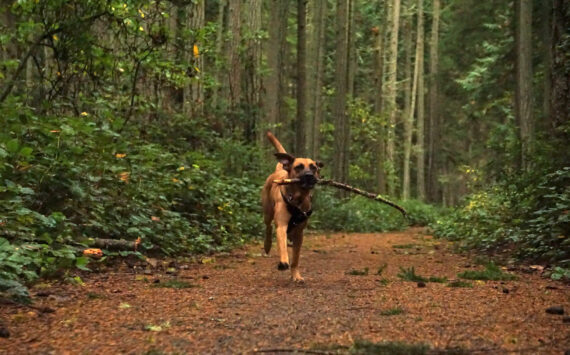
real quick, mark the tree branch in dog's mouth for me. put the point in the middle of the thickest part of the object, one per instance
(346, 187)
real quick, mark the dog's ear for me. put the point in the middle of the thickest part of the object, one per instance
(320, 164)
(286, 160)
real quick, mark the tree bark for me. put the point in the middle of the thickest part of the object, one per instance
(391, 90)
(420, 132)
(560, 98)
(315, 65)
(340, 160)
(234, 62)
(301, 120)
(193, 92)
(380, 148)
(252, 78)
(523, 97)
(279, 10)
(434, 119)
(410, 91)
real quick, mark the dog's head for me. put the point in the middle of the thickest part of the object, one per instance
(305, 169)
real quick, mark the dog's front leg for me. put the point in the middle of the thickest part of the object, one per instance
(297, 243)
(281, 232)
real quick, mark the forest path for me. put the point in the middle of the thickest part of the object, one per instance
(240, 302)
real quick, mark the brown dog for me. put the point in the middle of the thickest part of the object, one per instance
(289, 206)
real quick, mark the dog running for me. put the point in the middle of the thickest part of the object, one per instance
(288, 206)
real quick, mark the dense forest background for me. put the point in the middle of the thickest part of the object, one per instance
(146, 119)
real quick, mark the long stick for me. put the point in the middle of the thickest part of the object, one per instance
(346, 187)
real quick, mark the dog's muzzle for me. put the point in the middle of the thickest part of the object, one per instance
(308, 181)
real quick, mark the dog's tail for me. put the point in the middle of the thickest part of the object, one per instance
(275, 143)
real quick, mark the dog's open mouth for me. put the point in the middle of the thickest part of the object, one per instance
(308, 181)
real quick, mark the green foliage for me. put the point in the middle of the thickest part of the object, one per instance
(356, 272)
(460, 283)
(528, 213)
(392, 311)
(492, 272)
(381, 269)
(388, 348)
(177, 284)
(409, 274)
(358, 214)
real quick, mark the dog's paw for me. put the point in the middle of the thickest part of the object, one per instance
(298, 279)
(282, 266)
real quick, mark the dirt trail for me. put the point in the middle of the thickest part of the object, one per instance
(240, 302)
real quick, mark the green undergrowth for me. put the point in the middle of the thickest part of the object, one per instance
(65, 180)
(359, 214)
(492, 272)
(409, 274)
(526, 216)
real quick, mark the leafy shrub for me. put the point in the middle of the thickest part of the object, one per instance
(65, 180)
(359, 214)
(528, 213)
(491, 272)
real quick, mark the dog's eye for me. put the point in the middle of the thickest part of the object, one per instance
(299, 167)
(313, 167)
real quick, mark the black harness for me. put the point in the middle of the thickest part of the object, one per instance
(298, 216)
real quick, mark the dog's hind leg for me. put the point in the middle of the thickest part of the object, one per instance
(268, 237)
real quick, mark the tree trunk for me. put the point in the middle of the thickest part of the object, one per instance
(194, 93)
(410, 91)
(352, 64)
(217, 92)
(433, 137)
(279, 10)
(340, 160)
(560, 97)
(252, 77)
(234, 63)
(420, 132)
(315, 65)
(391, 89)
(301, 120)
(380, 148)
(523, 97)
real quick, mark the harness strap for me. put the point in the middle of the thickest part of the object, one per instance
(298, 216)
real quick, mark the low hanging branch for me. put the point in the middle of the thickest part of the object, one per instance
(346, 187)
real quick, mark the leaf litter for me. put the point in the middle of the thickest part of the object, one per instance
(243, 307)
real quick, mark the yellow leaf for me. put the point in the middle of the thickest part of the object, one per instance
(141, 28)
(180, 168)
(84, 113)
(196, 68)
(196, 51)
(55, 38)
(120, 155)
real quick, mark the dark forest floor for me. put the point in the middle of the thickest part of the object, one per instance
(239, 302)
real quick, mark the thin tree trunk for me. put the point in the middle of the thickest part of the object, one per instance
(352, 64)
(301, 120)
(560, 95)
(194, 92)
(252, 77)
(279, 10)
(410, 91)
(216, 92)
(234, 75)
(391, 90)
(523, 100)
(433, 137)
(547, 49)
(315, 65)
(339, 105)
(380, 151)
(420, 132)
